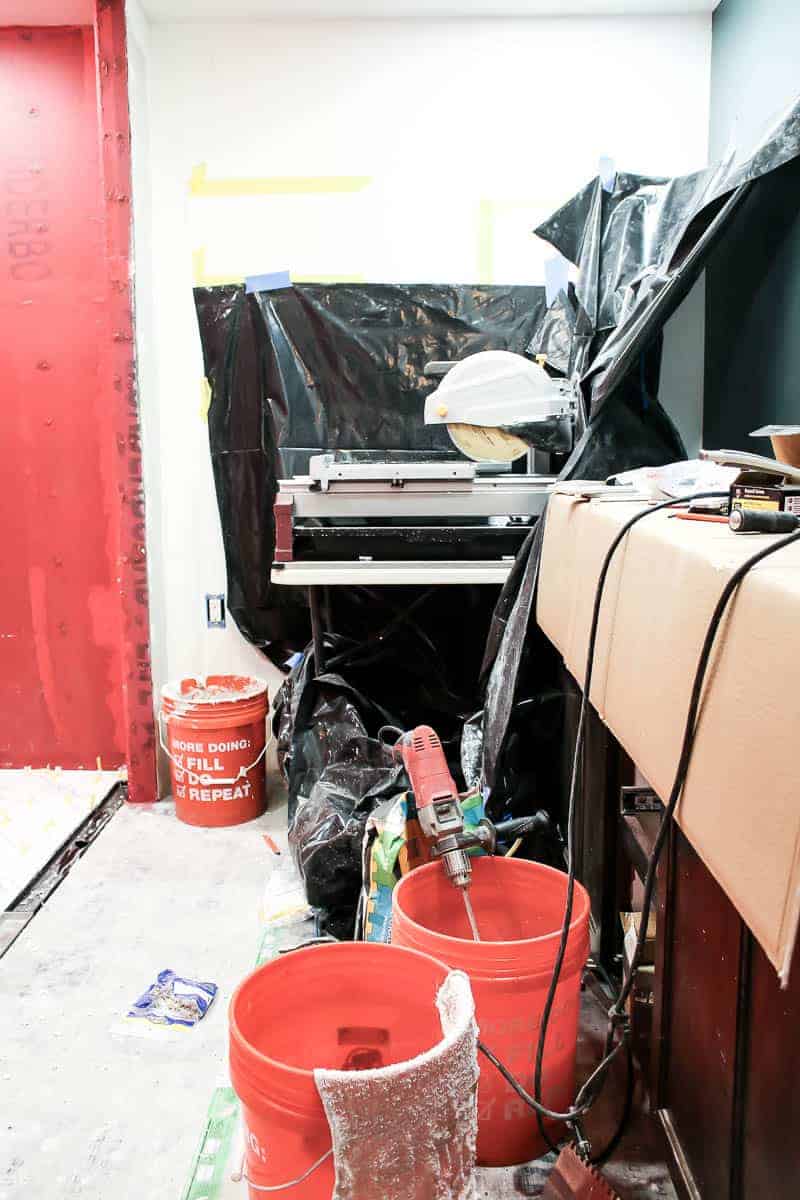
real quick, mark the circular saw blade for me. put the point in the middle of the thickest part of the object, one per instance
(486, 443)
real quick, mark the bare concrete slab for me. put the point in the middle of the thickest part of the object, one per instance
(89, 1114)
(85, 1112)
(39, 810)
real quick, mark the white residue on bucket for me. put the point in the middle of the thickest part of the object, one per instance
(203, 690)
(409, 1129)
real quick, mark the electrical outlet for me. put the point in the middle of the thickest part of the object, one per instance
(215, 610)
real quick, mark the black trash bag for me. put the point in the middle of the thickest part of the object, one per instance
(336, 774)
(336, 766)
(330, 729)
(326, 837)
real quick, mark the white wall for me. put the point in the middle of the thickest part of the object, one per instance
(470, 131)
(138, 36)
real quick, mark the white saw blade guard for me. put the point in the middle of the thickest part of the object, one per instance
(495, 389)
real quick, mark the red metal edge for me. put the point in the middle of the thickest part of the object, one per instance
(283, 510)
(119, 377)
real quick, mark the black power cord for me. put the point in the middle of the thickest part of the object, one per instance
(617, 1017)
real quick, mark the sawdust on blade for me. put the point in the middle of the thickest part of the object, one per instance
(487, 444)
(408, 1131)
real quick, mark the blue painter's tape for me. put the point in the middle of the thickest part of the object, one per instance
(607, 170)
(556, 278)
(267, 283)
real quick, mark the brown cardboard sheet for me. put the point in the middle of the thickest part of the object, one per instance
(741, 804)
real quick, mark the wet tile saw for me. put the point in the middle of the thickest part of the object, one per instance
(498, 408)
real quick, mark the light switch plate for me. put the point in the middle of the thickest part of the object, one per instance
(215, 610)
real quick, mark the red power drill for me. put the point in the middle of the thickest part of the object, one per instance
(438, 804)
(439, 809)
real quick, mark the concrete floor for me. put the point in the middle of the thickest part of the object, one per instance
(87, 1112)
(39, 810)
(92, 1114)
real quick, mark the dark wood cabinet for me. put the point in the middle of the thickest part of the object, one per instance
(698, 988)
(723, 1060)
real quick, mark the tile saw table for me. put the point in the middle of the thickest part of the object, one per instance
(387, 518)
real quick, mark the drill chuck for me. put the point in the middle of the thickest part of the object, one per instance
(457, 867)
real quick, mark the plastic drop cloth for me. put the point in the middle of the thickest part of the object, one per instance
(639, 249)
(327, 367)
(408, 1131)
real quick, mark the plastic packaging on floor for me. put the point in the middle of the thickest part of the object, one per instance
(283, 901)
(174, 1000)
(407, 1131)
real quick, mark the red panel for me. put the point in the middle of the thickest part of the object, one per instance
(118, 380)
(46, 12)
(68, 421)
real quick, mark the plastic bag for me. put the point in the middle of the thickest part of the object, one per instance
(326, 837)
(174, 1000)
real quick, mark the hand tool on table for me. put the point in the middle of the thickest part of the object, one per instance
(755, 520)
(752, 462)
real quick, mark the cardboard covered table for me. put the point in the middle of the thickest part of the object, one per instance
(740, 806)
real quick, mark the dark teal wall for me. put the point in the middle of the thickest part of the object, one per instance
(752, 372)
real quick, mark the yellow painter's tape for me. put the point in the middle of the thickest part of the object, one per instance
(205, 399)
(274, 185)
(486, 241)
(202, 279)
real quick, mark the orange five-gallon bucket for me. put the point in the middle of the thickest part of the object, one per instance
(214, 733)
(519, 908)
(345, 1006)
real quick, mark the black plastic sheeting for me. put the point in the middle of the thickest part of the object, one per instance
(346, 361)
(639, 250)
(315, 367)
(336, 767)
(337, 773)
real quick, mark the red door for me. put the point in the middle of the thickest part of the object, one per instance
(74, 661)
